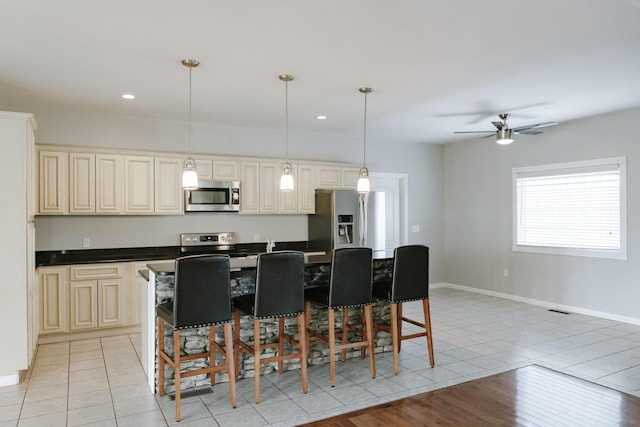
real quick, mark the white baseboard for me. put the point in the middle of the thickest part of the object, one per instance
(545, 304)
(6, 380)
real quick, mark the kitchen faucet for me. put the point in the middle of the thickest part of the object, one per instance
(270, 245)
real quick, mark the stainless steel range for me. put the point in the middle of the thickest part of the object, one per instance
(221, 242)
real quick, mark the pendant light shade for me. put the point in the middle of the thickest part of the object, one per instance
(363, 180)
(286, 179)
(189, 175)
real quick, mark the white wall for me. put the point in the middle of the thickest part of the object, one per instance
(478, 225)
(423, 163)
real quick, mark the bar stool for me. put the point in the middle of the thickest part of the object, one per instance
(349, 286)
(410, 282)
(202, 298)
(279, 294)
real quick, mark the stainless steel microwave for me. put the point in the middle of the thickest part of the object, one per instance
(213, 196)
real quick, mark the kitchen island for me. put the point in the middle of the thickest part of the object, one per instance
(243, 276)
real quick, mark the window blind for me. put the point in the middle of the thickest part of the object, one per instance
(572, 206)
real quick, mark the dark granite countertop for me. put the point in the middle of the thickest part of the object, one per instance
(90, 256)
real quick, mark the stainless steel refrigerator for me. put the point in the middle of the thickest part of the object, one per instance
(345, 218)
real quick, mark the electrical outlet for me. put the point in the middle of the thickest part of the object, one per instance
(415, 228)
(506, 273)
(256, 237)
(86, 242)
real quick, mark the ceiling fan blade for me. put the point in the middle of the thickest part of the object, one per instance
(527, 132)
(535, 126)
(499, 125)
(478, 131)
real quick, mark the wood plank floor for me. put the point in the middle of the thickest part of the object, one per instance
(529, 396)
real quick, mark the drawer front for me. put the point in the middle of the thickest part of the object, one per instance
(95, 272)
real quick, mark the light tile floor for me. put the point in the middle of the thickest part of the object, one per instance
(100, 382)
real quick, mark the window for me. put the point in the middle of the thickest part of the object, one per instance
(576, 208)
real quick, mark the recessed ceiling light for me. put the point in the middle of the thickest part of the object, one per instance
(321, 117)
(129, 96)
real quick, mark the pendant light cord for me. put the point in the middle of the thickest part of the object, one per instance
(190, 68)
(286, 118)
(364, 151)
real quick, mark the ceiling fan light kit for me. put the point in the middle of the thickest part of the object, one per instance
(504, 134)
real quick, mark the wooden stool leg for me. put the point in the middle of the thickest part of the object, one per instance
(229, 358)
(280, 344)
(236, 342)
(394, 336)
(363, 349)
(332, 346)
(160, 358)
(368, 316)
(399, 327)
(427, 326)
(304, 350)
(176, 369)
(256, 359)
(307, 324)
(212, 352)
(345, 331)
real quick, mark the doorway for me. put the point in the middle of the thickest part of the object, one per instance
(396, 217)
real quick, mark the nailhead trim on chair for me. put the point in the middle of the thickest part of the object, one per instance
(340, 306)
(204, 325)
(296, 313)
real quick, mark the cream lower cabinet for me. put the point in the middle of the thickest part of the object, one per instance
(97, 295)
(53, 312)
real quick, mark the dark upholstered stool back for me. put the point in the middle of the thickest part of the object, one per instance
(350, 283)
(410, 273)
(202, 291)
(279, 284)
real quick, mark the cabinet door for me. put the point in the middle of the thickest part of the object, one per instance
(288, 200)
(169, 194)
(109, 184)
(139, 184)
(83, 304)
(82, 183)
(204, 168)
(350, 177)
(53, 180)
(328, 176)
(250, 187)
(52, 299)
(306, 189)
(269, 187)
(225, 170)
(110, 302)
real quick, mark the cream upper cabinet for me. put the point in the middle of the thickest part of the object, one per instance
(306, 188)
(250, 187)
(269, 187)
(350, 177)
(82, 183)
(53, 182)
(329, 176)
(204, 168)
(288, 202)
(52, 299)
(225, 170)
(169, 195)
(139, 184)
(109, 184)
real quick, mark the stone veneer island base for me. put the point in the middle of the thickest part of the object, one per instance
(193, 341)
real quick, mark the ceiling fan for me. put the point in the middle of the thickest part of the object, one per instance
(504, 134)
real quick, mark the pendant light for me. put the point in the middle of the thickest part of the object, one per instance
(363, 180)
(189, 175)
(286, 179)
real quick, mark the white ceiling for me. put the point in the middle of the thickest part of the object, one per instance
(435, 66)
